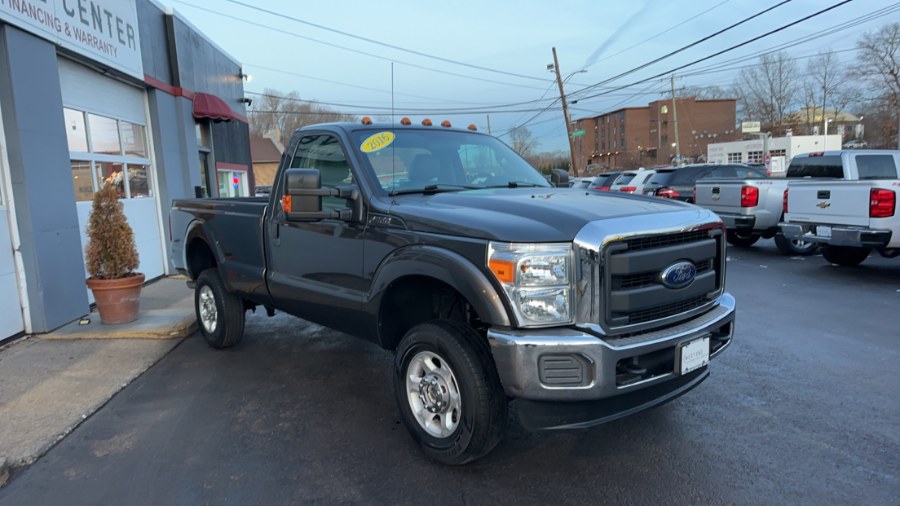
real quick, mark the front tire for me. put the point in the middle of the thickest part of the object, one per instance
(741, 240)
(846, 256)
(448, 392)
(220, 313)
(793, 247)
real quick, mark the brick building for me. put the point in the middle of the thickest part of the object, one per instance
(644, 136)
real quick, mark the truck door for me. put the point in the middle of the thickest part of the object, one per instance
(315, 267)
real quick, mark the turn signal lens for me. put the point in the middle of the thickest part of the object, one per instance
(504, 270)
(881, 203)
(286, 203)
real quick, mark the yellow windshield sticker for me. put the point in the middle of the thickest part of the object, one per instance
(377, 142)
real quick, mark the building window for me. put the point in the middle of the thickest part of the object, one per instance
(204, 146)
(754, 157)
(734, 158)
(106, 150)
(777, 152)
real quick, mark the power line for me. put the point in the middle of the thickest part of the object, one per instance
(385, 44)
(660, 34)
(461, 110)
(350, 85)
(808, 38)
(357, 51)
(718, 53)
(684, 48)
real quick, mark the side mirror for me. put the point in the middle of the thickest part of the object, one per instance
(559, 178)
(303, 192)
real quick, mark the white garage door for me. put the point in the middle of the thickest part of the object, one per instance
(109, 143)
(11, 322)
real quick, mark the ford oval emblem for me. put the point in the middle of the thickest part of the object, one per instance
(678, 275)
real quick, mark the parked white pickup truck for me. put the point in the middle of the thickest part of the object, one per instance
(752, 208)
(849, 218)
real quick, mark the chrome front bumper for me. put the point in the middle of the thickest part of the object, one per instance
(567, 364)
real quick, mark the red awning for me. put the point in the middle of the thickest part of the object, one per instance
(212, 107)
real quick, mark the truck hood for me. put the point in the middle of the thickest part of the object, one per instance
(522, 214)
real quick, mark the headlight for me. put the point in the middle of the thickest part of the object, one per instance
(537, 279)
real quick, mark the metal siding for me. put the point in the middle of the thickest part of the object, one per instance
(41, 179)
(154, 48)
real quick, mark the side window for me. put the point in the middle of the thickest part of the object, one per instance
(723, 171)
(323, 152)
(876, 167)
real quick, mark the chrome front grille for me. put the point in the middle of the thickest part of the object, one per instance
(632, 290)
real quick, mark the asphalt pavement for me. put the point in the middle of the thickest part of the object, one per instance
(51, 383)
(801, 409)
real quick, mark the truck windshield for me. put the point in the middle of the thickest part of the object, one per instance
(419, 160)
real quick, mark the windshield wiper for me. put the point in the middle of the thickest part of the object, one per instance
(435, 188)
(518, 184)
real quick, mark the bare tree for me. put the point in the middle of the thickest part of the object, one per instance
(277, 114)
(769, 90)
(711, 92)
(522, 141)
(828, 85)
(878, 64)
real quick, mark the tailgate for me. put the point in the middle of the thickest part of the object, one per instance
(720, 197)
(831, 202)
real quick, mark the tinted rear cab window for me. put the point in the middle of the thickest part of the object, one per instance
(816, 166)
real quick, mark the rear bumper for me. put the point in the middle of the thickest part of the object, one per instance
(840, 235)
(572, 372)
(738, 222)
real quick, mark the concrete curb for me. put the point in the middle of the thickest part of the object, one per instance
(168, 323)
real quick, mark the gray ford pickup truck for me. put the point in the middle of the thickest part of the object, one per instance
(489, 284)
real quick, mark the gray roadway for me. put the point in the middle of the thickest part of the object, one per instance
(803, 409)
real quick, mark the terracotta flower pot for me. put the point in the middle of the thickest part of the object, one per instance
(118, 300)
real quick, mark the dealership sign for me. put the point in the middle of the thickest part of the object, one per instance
(103, 30)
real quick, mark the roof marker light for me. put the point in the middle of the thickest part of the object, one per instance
(405, 121)
(426, 122)
(366, 120)
(472, 127)
(446, 124)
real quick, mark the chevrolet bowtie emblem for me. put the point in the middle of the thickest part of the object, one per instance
(823, 204)
(715, 196)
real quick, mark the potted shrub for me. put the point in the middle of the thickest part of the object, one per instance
(111, 260)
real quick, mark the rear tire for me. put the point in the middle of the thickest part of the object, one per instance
(846, 256)
(741, 240)
(220, 313)
(792, 247)
(448, 391)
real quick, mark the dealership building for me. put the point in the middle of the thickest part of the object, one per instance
(93, 92)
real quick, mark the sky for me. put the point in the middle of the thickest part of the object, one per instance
(486, 62)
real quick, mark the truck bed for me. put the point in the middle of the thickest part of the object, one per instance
(236, 223)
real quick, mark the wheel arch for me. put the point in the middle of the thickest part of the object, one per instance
(412, 278)
(199, 255)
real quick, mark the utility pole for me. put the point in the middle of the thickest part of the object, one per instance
(565, 108)
(489, 124)
(675, 118)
